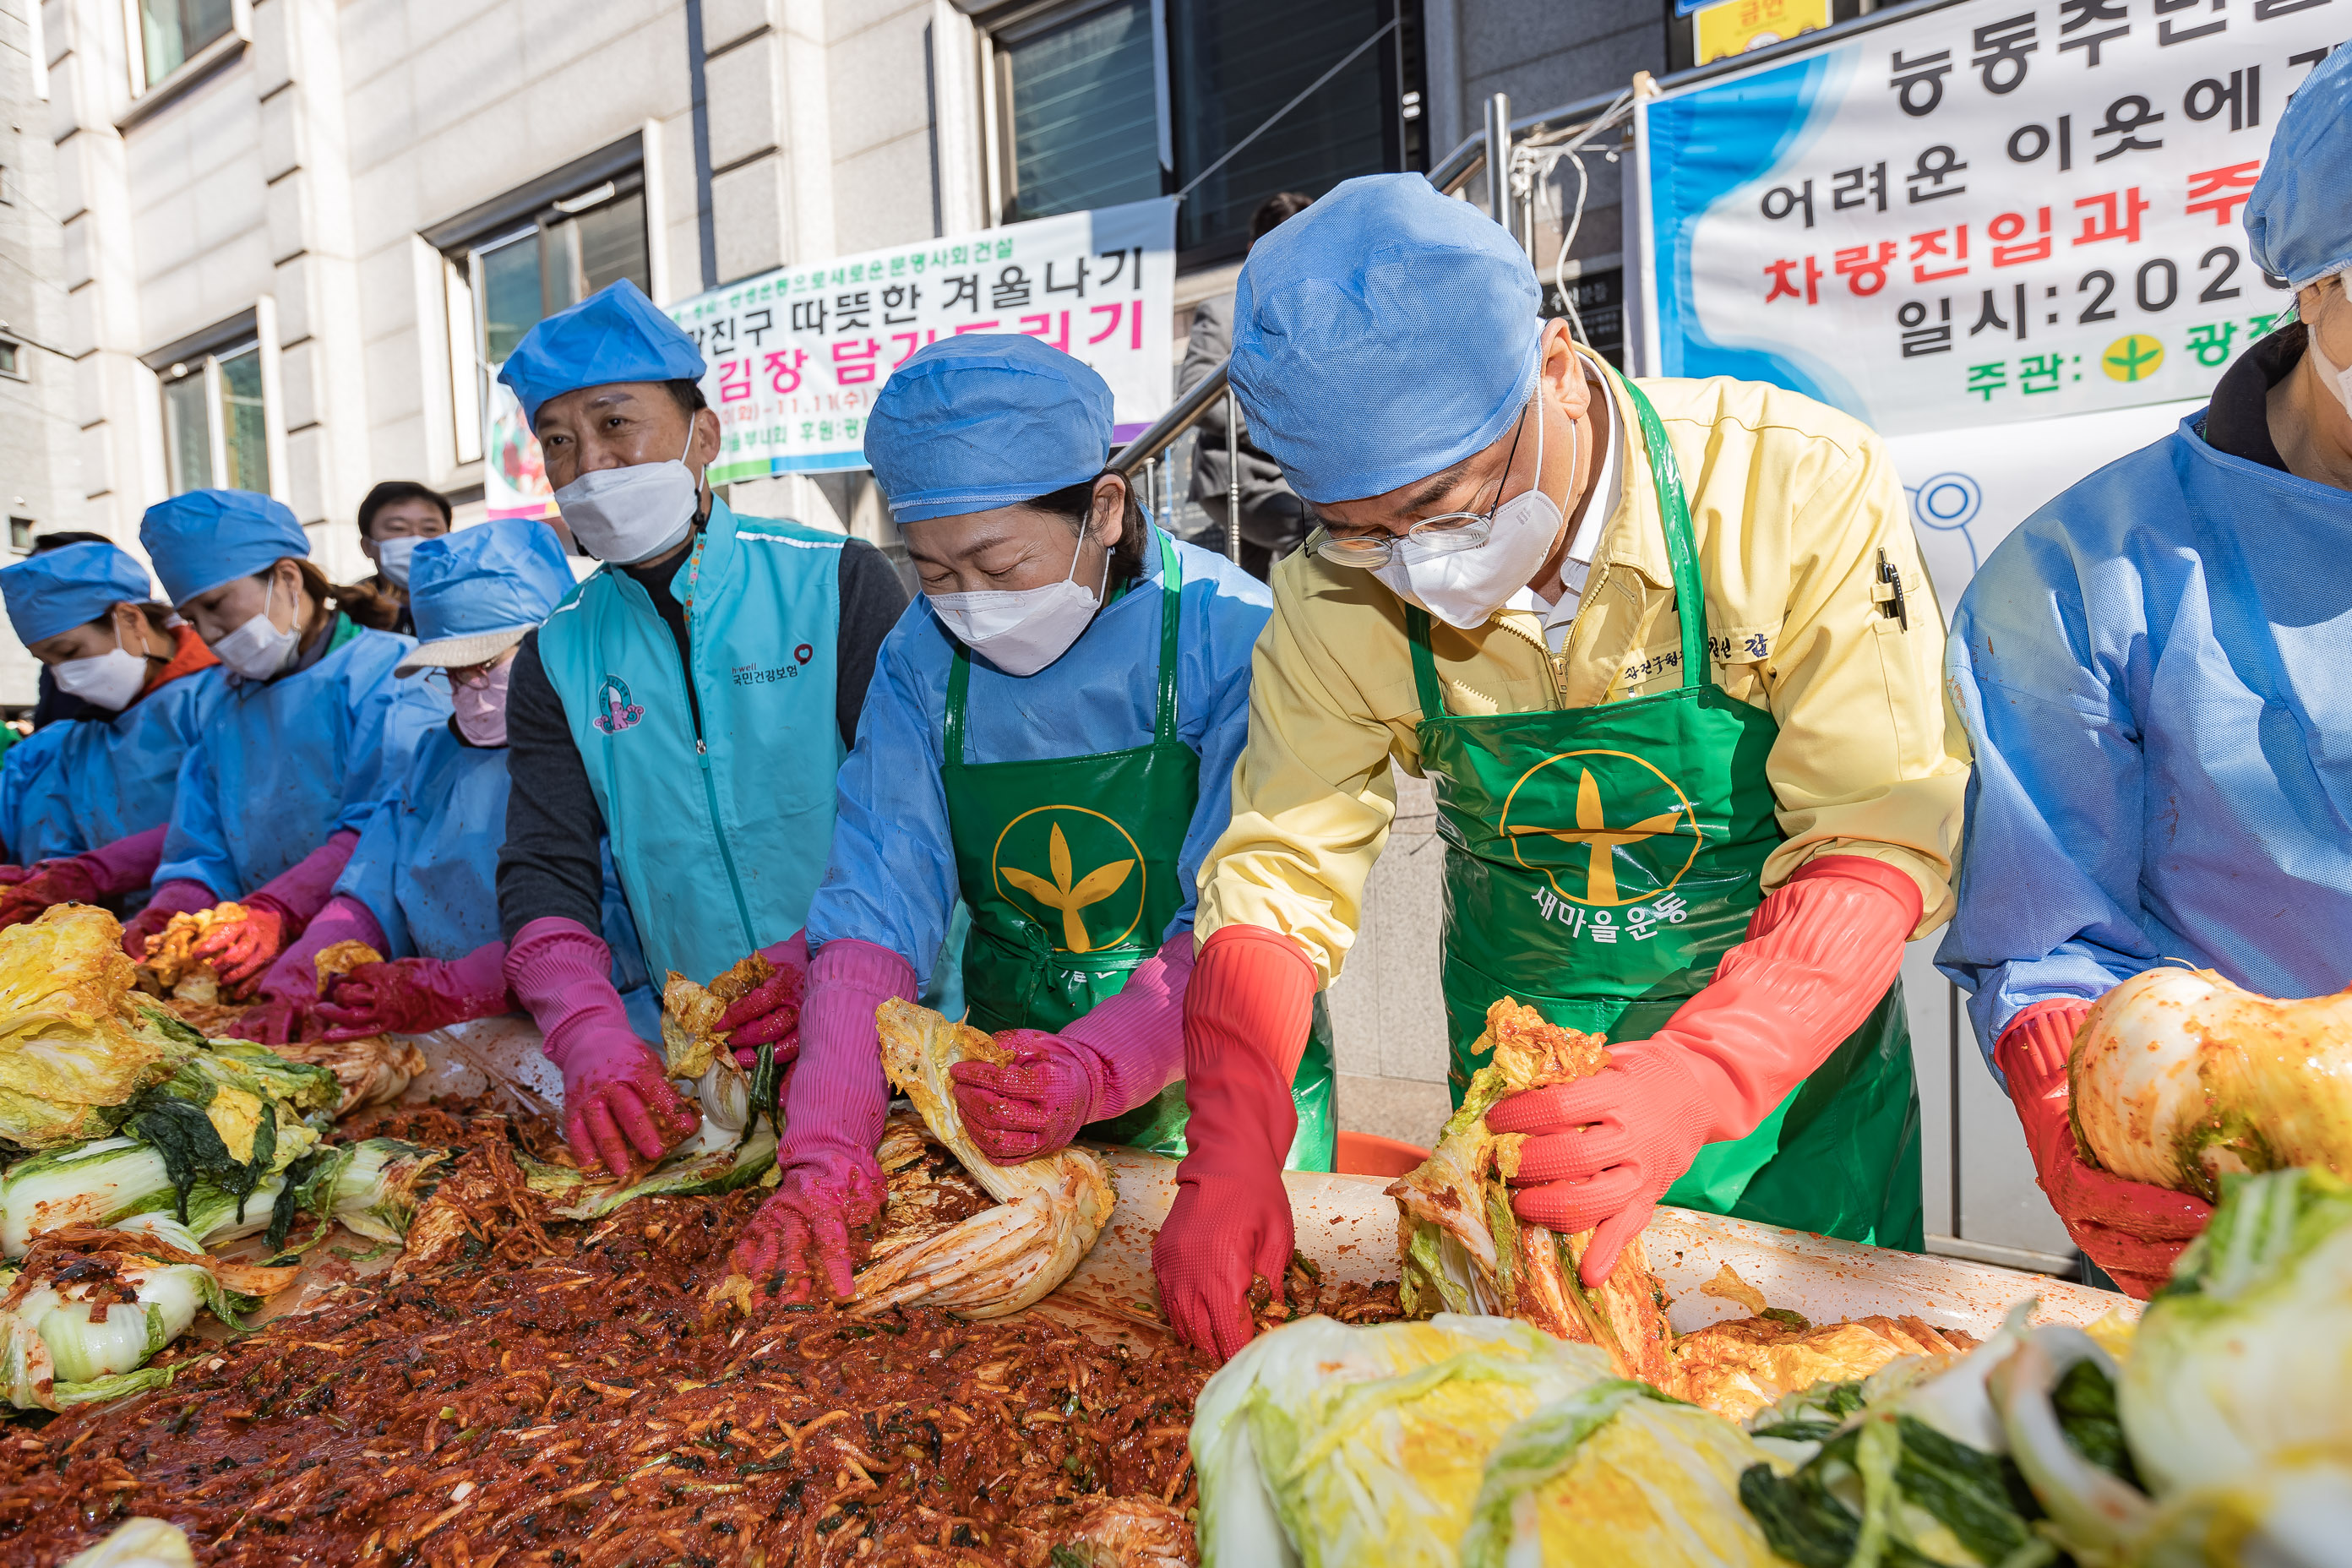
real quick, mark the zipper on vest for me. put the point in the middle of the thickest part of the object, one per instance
(710, 784)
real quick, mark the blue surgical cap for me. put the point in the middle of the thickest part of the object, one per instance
(614, 334)
(1382, 335)
(500, 576)
(2299, 219)
(70, 586)
(984, 420)
(205, 538)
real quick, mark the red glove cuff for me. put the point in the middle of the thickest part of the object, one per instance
(1247, 1010)
(2034, 1049)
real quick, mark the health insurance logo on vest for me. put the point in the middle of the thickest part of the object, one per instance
(1035, 863)
(1634, 836)
(614, 710)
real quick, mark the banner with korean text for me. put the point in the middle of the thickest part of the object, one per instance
(1992, 211)
(798, 356)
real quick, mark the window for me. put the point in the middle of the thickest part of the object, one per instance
(1082, 117)
(215, 432)
(173, 32)
(9, 364)
(1231, 63)
(510, 264)
(1080, 103)
(20, 535)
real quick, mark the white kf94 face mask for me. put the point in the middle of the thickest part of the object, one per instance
(1463, 587)
(109, 679)
(392, 557)
(258, 651)
(633, 514)
(1021, 631)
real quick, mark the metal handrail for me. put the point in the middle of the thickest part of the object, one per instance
(1467, 158)
(1164, 430)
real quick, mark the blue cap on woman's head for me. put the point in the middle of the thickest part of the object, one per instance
(476, 591)
(985, 420)
(205, 538)
(615, 334)
(2299, 219)
(70, 586)
(1382, 335)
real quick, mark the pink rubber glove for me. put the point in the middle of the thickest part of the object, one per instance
(1125, 1050)
(834, 1108)
(411, 995)
(2132, 1229)
(1821, 953)
(291, 988)
(275, 914)
(179, 896)
(1246, 1014)
(769, 1014)
(618, 1110)
(122, 866)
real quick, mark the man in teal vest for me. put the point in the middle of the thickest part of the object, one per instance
(692, 701)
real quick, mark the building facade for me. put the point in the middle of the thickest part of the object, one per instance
(38, 431)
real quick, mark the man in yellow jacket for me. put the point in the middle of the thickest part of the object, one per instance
(1667, 653)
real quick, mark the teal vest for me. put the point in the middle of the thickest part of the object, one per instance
(720, 839)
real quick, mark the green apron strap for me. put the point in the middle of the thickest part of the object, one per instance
(958, 685)
(1673, 510)
(1171, 588)
(1425, 668)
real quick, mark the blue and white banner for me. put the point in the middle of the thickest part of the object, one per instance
(1994, 212)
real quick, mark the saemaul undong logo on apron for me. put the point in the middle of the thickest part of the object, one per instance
(1075, 872)
(1625, 806)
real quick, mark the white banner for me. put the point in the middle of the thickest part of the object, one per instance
(1995, 212)
(798, 356)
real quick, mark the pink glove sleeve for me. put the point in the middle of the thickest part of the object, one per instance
(302, 889)
(618, 1108)
(839, 1095)
(563, 974)
(768, 1014)
(295, 974)
(126, 865)
(1134, 1042)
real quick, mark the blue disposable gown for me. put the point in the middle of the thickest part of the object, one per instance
(426, 866)
(891, 880)
(116, 777)
(2152, 670)
(23, 772)
(285, 763)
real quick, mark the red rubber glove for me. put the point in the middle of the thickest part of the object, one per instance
(177, 897)
(770, 1014)
(275, 914)
(67, 881)
(1821, 953)
(830, 1184)
(2133, 1230)
(619, 1111)
(1246, 1014)
(278, 1021)
(1124, 1051)
(410, 995)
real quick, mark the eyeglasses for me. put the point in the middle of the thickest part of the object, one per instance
(1447, 533)
(473, 677)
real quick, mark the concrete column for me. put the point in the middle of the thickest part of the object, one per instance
(321, 349)
(115, 403)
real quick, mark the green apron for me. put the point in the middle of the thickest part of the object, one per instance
(1600, 861)
(1067, 900)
